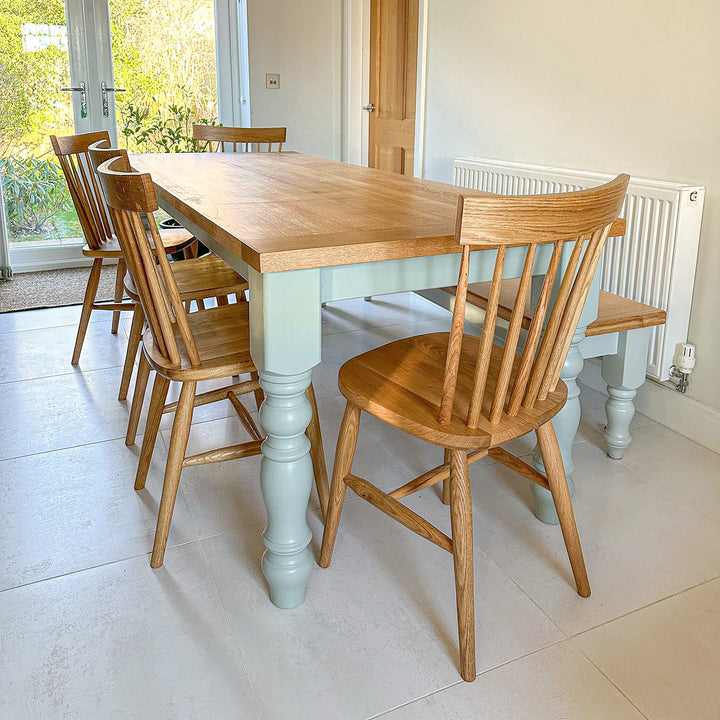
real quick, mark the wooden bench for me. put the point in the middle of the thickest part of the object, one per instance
(626, 325)
(615, 313)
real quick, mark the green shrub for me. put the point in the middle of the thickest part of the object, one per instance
(35, 192)
(169, 131)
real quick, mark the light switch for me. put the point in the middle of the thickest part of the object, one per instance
(272, 81)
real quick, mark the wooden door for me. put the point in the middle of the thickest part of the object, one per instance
(393, 79)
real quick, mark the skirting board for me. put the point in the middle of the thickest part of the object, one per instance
(34, 259)
(666, 406)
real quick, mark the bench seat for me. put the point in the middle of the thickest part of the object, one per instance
(615, 313)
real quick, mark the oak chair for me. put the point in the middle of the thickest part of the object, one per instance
(101, 243)
(184, 347)
(218, 138)
(197, 279)
(470, 396)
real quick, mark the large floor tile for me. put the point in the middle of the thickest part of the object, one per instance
(687, 470)
(378, 628)
(641, 544)
(554, 683)
(63, 411)
(122, 641)
(666, 657)
(46, 352)
(72, 509)
(48, 317)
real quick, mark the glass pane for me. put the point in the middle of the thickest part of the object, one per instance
(34, 66)
(164, 58)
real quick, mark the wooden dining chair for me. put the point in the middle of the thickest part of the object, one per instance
(216, 138)
(470, 396)
(183, 347)
(101, 243)
(198, 279)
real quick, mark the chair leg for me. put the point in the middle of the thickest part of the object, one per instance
(176, 455)
(446, 483)
(136, 330)
(347, 440)
(317, 453)
(119, 293)
(555, 471)
(190, 251)
(462, 534)
(222, 300)
(141, 381)
(259, 394)
(157, 403)
(88, 300)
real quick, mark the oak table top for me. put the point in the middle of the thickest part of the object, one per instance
(288, 211)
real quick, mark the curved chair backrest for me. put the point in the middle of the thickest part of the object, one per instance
(100, 151)
(72, 152)
(130, 195)
(579, 221)
(238, 139)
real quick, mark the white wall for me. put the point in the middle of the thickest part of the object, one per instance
(302, 41)
(613, 87)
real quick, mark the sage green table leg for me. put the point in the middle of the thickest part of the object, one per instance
(286, 479)
(624, 372)
(565, 423)
(285, 342)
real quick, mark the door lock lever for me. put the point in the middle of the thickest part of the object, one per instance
(105, 90)
(83, 96)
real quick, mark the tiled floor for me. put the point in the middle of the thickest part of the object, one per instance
(88, 630)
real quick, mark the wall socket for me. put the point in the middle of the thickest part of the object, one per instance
(272, 81)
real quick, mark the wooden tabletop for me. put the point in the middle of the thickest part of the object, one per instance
(288, 211)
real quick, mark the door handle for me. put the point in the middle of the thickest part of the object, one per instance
(83, 97)
(105, 90)
(369, 107)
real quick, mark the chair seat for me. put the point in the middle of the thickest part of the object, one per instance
(108, 249)
(174, 240)
(401, 383)
(222, 337)
(207, 276)
(199, 278)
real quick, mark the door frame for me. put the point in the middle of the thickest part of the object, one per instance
(356, 82)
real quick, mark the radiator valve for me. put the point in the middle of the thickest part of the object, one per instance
(685, 362)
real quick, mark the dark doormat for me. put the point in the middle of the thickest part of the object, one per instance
(53, 288)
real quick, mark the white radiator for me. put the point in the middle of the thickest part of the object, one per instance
(653, 263)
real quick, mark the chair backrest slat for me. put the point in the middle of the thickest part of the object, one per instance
(72, 153)
(534, 332)
(553, 325)
(486, 342)
(573, 310)
(522, 377)
(218, 138)
(512, 337)
(452, 361)
(130, 196)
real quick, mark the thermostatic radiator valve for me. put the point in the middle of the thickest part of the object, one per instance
(685, 362)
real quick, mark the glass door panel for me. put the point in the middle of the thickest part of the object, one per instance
(34, 67)
(164, 60)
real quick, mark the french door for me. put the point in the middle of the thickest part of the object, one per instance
(143, 70)
(91, 66)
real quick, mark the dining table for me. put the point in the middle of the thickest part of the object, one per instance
(306, 231)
